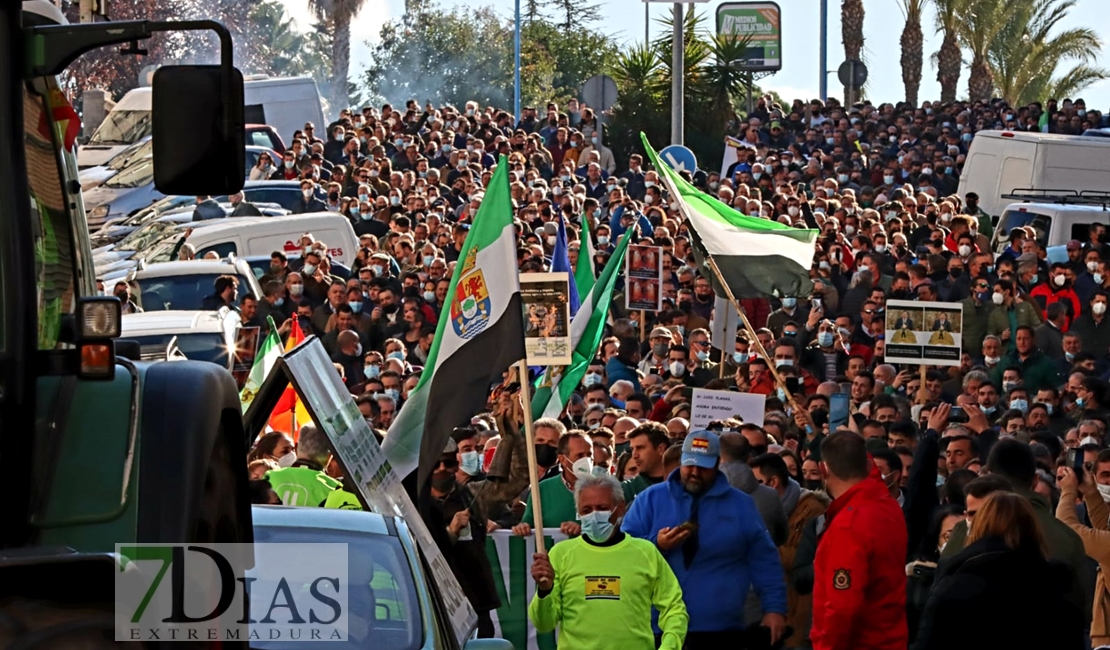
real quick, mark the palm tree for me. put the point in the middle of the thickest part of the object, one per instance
(337, 16)
(948, 59)
(913, 44)
(851, 31)
(1027, 52)
(982, 21)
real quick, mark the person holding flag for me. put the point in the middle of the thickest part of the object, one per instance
(479, 335)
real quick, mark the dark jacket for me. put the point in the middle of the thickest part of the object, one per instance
(208, 209)
(616, 369)
(306, 207)
(1064, 545)
(981, 584)
(1037, 371)
(468, 559)
(741, 477)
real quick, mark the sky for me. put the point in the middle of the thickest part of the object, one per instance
(800, 75)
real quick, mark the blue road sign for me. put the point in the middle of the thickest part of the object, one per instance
(679, 158)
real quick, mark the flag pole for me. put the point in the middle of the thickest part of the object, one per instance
(751, 332)
(676, 197)
(530, 447)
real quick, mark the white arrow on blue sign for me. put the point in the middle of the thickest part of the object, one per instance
(679, 158)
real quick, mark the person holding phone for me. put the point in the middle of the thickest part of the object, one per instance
(712, 536)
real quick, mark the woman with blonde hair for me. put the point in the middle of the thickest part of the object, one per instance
(989, 582)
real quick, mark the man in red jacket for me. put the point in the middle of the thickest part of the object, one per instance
(859, 574)
(1057, 288)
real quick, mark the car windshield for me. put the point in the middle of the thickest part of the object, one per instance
(179, 292)
(124, 158)
(157, 209)
(137, 174)
(1041, 224)
(122, 127)
(203, 346)
(383, 606)
(145, 237)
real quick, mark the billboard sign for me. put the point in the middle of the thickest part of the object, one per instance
(761, 24)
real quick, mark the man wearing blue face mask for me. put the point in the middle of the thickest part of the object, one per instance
(599, 589)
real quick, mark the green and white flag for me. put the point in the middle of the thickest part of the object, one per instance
(479, 335)
(757, 257)
(268, 353)
(584, 268)
(554, 387)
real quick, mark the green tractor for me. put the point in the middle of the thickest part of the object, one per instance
(98, 447)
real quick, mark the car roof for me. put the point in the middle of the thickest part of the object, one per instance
(253, 184)
(313, 219)
(1058, 207)
(151, 323)
(191, 267)
(355, 521)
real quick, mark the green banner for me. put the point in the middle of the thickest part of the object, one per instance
(510, 558)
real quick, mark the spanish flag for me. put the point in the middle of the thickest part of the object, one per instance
(290, 413)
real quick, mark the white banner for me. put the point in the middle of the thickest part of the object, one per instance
(709, 405)
(725, 323)
(510, 559)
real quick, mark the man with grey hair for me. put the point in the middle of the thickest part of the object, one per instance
(620, 390)
(624, 578)
(305, 483)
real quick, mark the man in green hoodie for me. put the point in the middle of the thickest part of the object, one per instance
(305, 483)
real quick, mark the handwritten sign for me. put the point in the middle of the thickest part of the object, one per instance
(709, 405)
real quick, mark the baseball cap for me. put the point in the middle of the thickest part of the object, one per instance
(701, 449)
(1074, 245)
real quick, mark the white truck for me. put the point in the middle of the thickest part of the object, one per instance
(285, 103)
(1002, 162)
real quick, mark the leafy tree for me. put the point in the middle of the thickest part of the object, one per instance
(466, 54)
(573, 15)
(949, 59)
(446, 56)
(337, 16)
(913, 43)
(1027, 54)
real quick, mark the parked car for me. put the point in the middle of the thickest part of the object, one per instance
(264, 135)
(196, 335)
(183, 286)
(132, 189)
(287, 194)
(117, 229)
(394, 602)
(96, 176)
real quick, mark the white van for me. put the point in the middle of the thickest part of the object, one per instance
(1056, 217)
(1000, 162)
(247, 236)
(284, 103)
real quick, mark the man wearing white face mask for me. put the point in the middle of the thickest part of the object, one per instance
(575, 458)
(304, 483)
(624, 579)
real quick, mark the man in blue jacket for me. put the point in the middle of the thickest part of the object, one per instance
(719, 565)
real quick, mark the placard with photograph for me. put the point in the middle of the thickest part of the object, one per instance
(546, 301)
(924, 332)
(644, 278)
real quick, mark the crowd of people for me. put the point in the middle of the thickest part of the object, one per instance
(949, 497)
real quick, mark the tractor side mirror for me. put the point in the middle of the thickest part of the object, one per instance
(198, 134)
